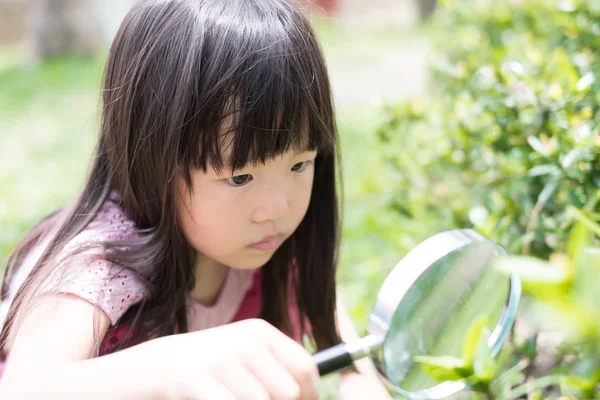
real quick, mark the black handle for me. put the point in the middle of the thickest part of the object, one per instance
(333, 359)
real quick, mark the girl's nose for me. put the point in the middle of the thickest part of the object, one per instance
(273, 206)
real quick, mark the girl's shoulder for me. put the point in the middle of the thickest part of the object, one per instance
(110, 224)
(87, 273)
(91, 276)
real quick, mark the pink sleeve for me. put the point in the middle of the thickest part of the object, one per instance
(107, 286)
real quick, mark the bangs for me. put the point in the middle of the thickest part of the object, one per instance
(253, 137)
(261, 90)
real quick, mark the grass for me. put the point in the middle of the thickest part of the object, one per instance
(48, 120)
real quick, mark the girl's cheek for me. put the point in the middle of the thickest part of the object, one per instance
(305, 193)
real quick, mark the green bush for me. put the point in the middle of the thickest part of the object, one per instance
(507, 142)
(509, 135)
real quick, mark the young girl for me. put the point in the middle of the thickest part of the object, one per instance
(210, 208)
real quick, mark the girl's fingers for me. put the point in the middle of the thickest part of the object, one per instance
(202, 389)
(242, 383)
(279, 383)
(298, 362)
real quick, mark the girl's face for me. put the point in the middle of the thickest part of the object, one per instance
(240, 220)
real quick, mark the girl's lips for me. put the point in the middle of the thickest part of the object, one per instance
(269, 243)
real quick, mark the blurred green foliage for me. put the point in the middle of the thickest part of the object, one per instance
(509, 135)
(507, 142)
(562, 298)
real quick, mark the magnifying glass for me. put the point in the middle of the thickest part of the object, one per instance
(425, 307)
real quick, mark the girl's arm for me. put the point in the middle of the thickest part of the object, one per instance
(365, 384)
(48, 358)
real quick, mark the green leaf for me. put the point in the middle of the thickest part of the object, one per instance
(585, 82)
(539, 146)
(546, 193)
(577, 382)
(472, 340)
(543, 280)
(545, 169)
(535, 395)
(484, 364)
(578, 241)
(536, 384)
(532, 270)
(572, 157)
(584, 218)
(529, 347)
(576, 321)
(511, 377)
(448, 362)
(584, 387)
(443, 368)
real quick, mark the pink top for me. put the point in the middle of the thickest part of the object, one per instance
(114, 290)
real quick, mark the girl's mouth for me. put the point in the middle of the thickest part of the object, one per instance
(268, 243)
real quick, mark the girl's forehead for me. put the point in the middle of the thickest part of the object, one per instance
(227, 147)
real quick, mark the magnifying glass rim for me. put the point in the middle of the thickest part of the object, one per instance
(390, 295)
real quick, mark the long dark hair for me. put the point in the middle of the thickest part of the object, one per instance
(175, 71)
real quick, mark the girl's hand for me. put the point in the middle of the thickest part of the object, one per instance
(244, 360)
(50, 359)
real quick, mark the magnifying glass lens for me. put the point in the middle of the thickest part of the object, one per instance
(436, 313)
(427, 306)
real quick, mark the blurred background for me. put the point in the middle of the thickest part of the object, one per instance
(475, 114)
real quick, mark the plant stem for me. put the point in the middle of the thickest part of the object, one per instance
(536, 384)
(584, 218)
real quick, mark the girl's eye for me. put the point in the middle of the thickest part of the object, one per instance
(239, 180)
(301, 166)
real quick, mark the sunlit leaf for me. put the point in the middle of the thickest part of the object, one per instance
(585, 82)
(443, 368)
(512, 376)
(578, 323)
(472, 340)
(537, 145)
(578, 240)
(532, 270)
(535, 395)
(577, 382)
(545, 169)
(484, 365)
(584, 218)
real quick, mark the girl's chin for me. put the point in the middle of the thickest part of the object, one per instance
(252, 262)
